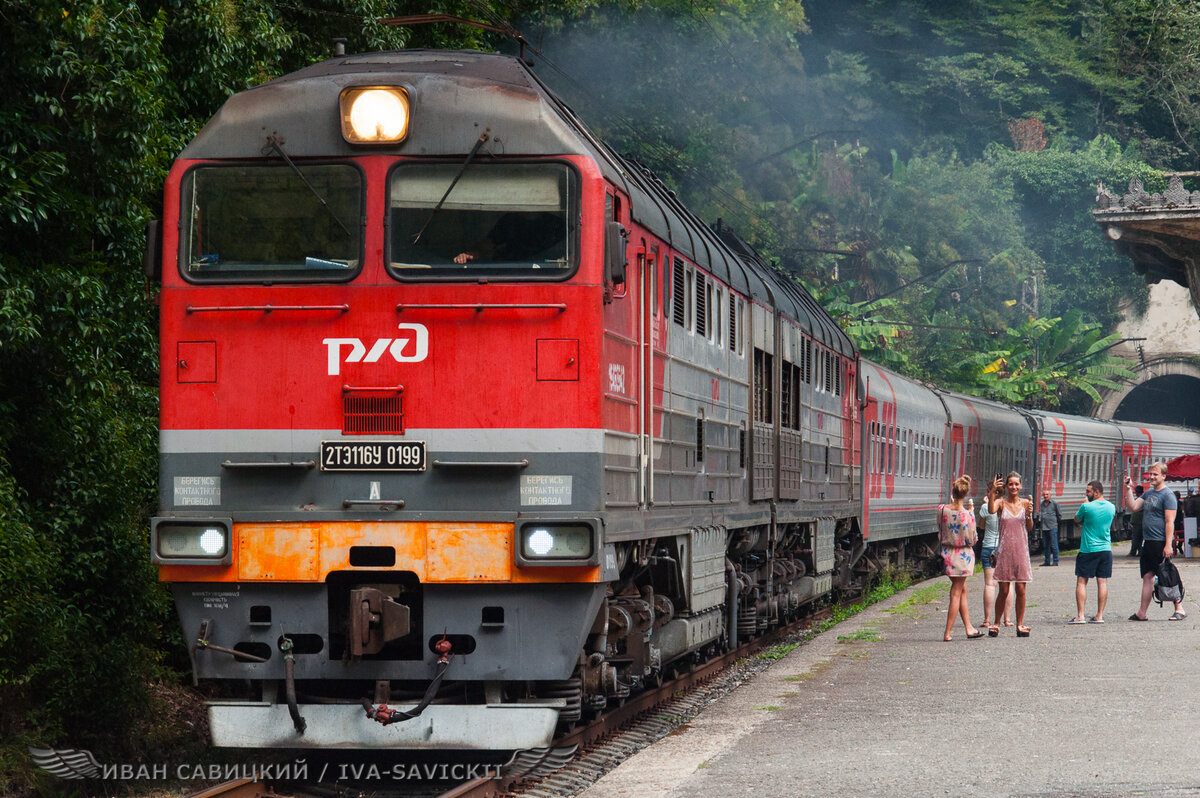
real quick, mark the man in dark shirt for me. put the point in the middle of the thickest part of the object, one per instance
(1191, 507)
(1049, 518)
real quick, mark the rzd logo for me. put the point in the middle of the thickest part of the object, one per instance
(411, 346)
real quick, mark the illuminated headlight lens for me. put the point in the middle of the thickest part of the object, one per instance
(192, 541)
(374, 115)
(556, 542)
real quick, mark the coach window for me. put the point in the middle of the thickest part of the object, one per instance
(763, 401)
(270, 224)
(510, 221)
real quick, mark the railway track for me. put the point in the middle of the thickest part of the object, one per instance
(578, 757)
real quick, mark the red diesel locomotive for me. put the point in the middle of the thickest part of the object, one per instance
(464, 413)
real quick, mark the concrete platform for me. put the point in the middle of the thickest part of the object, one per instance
(881, 706)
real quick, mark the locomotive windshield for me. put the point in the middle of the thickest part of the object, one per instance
(271, 223)
(514, 221)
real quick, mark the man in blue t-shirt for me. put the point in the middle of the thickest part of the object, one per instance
(1095, 550)
(1158, 528)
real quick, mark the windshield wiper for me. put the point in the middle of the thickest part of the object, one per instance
(483, 137)
(273, 141)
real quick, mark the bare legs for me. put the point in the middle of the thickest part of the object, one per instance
(1147, 593)
(1002, 600)
(1020, 607)
(989, 594)
(989, 600)
(958, 606)
(1102, 597)
(1080, 597)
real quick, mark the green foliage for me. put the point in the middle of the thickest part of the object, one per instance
(1045, 360)
(83, 147)
(873, 154)
(102, 95)
(777, 651)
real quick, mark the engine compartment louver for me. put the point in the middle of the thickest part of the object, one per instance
(372, 411)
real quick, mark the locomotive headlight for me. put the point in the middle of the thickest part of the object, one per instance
(374, 114)
(190, 541)
(571, 543)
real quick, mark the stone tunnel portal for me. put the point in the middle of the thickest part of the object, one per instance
(1170, 399)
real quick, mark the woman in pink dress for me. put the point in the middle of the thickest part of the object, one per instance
(1012, 558)
(956, 533)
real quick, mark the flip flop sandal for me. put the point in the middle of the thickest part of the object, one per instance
(1135, 617)
(1177, 616)
(993, 631)
(1095, 620)
(1025, 633)
(1074, 621)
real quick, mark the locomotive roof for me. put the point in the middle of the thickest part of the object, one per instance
(456, 95)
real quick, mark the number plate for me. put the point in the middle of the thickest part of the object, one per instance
(372, 455)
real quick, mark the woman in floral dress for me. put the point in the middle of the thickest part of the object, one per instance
(1012, 559)
(956, 533)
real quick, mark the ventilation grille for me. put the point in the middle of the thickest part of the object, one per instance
(377, 411)
(733, 324)
(678, 294)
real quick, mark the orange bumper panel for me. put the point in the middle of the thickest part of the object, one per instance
(434, 551)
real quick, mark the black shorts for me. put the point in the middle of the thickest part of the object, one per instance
(1094, 564)
(1151, 556)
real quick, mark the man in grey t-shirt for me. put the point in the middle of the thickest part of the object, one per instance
(1158, 506)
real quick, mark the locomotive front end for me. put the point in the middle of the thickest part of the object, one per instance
(381, 454)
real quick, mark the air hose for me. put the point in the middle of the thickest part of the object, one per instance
(289, 664)
(386, 715)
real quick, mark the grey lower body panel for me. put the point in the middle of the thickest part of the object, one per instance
(482, 727)
(543, 630)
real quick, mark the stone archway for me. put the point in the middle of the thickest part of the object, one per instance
(1166, 391)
